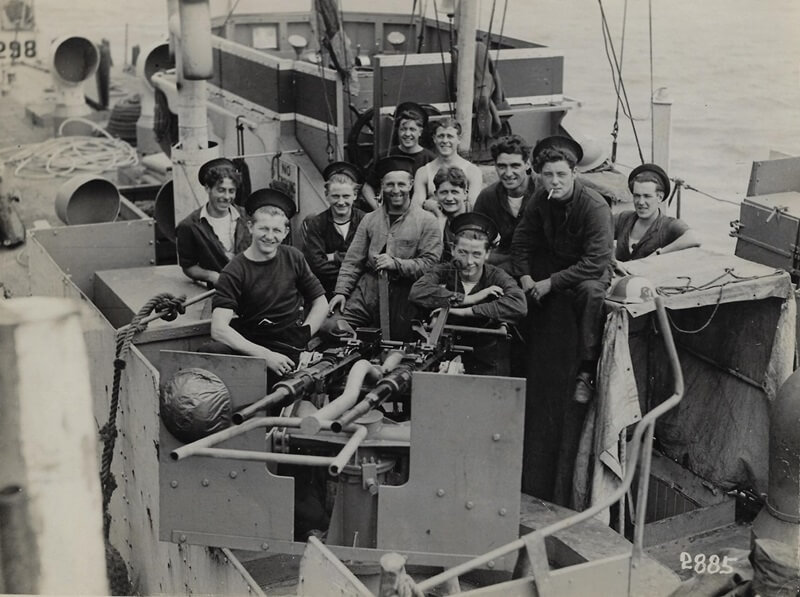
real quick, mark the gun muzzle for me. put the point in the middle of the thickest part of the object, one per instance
(396, 382)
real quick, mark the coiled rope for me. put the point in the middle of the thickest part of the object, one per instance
(67, 155)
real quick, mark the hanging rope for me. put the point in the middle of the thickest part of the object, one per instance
(346, 67)
(488, 44)
(329, 149)
(421, 36)
(616, 74)
(689, 287)
(168, 307)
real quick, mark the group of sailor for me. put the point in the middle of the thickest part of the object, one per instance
(429, 230)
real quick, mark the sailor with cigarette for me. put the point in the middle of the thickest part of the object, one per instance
(563, 246)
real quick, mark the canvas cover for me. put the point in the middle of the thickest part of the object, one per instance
(734, 326)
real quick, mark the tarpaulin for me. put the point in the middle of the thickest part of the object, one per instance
(616, 407)
(734, 327)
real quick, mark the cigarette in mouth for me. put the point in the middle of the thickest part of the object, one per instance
(550, 194)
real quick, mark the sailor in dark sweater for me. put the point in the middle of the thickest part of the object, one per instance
(211, 235)
(505, 200)
(268, 287)
(327, 235)
(451, 194)
(478, 294)
(564, 246)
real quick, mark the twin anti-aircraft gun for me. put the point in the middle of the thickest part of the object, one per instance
(417, 457)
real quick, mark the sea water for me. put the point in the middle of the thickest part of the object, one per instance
(731, 67)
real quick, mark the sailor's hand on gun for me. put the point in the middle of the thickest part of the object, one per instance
(277, 362)
(337, 302)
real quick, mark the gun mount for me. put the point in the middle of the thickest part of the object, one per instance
(441, 494)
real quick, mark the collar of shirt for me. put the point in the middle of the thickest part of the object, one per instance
(234, 213)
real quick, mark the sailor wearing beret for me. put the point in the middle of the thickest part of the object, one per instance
(397, 239)
(645, 230)
(479, 294)
(328, 235)
(563, 246)
(252, 313)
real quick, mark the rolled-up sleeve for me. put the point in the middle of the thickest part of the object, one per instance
(509, 308)
(429, 291)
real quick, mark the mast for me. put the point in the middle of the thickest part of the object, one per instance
(190, 26)
(467, 27)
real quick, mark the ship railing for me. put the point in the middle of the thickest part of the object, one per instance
(532, 559)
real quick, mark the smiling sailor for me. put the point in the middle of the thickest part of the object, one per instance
(645, 229)
(328, 235)
(269, 287)
(479, 294)
(562, 249)
(211, 235)
(399, 239)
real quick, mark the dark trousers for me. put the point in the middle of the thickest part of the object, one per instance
(566, 328)
(588, 300)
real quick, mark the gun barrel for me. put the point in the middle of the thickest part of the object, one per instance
(395, 382)
(286, 391)
(270, 399)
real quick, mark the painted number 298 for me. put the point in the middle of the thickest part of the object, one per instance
(16, 49)
(702, 564)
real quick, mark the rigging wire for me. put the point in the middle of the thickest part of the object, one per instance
(615, 129)
(441, 55)
(652, 121)
(614, 63)
(230, 13)
(402, 79)
(330, 151)
(502, 28)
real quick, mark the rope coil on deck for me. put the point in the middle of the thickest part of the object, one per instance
(67, 155)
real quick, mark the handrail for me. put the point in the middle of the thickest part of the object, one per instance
(205, 446)
(646, 424)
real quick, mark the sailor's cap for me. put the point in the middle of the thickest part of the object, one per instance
(264, 197)
(411, 110)
(394, 163)
(346, 168)
(565, 144)
(655, 169)
(212, 163)
(474, 221)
